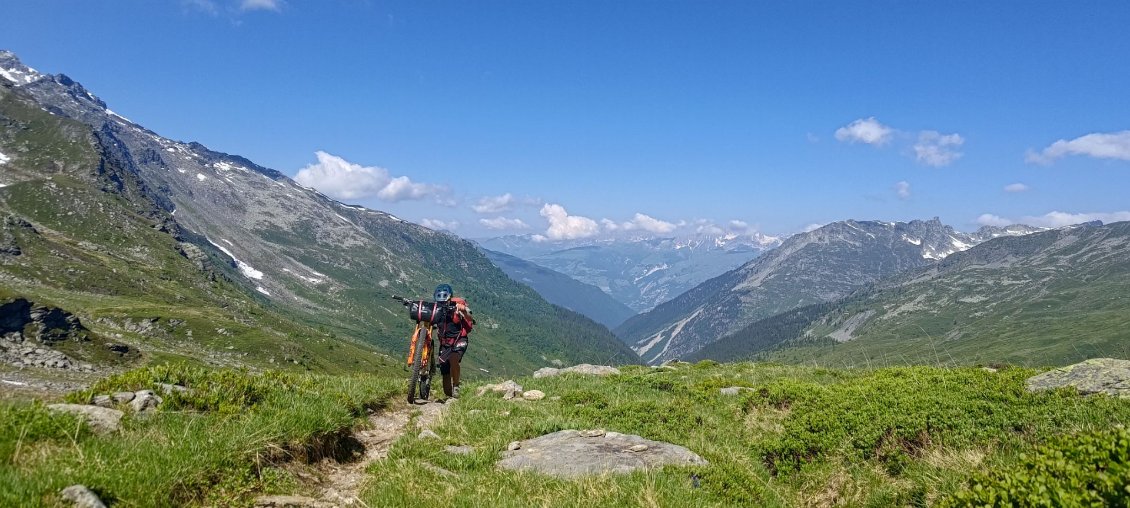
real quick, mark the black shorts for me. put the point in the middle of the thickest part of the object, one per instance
(445, 352)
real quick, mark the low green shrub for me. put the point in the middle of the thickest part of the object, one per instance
(1088, 469)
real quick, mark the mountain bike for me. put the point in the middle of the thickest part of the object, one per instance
(421, 348)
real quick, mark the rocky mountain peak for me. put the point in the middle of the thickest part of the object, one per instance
(12, 69)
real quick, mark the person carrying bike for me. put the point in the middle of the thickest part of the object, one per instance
(452, 332)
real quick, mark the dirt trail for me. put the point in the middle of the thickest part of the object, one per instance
(340, 483)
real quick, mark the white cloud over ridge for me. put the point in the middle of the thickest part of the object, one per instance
(341, 179)
(865, 130)
(563, 226)
(502, 223)
(640, 222)
(936, 149)
(1113, 145)
(903, 189)
(1016, 187)
(440, 224)
(1055, 219)
(988, 219)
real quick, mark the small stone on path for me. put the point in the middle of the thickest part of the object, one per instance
(733, 390)
(639, 448)
(514, 445)
(509, 389)
(593, 433)
(427, 434)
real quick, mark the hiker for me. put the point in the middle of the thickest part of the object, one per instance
(452, 333)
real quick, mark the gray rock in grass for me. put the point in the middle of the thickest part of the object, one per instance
(573, 453)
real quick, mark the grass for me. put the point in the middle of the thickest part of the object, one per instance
(798, 436)
(211, 447)
(801, 436)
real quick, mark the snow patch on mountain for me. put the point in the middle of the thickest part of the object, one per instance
(244, 268)
(19, 76)
(4, 158)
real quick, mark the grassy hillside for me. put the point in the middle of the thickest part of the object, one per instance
(798, 436)
(90, 243)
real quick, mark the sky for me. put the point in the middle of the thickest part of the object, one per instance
(583, 119)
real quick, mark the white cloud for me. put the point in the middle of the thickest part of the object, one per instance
(865, 130)
(440, 224)
(563, 226)
(1055, 219)
(401, 189)
(812, 227)
(903, 189)
(937, 149)
(738, 225)
(640, 222)
(494, 204)
(1015, 187)
(260, 5)
(1060, 219)
(1114, 145)
(988, 219)
(341, 179)
(504, 223)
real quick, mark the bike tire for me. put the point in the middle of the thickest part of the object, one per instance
(417, 365)
(426, 384)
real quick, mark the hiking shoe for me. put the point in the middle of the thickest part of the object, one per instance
(455, 392)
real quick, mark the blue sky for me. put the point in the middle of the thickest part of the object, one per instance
(570, 118)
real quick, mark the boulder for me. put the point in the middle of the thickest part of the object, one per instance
(144, 400)
(1097, 375)
(82, 497)
(533, 395)
(102, 420)
(427, 434)
(122, 397)
(509, 389)
(103, 401)
(574, 453)
(584, 368)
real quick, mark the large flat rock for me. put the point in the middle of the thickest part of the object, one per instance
(1097, 375)
(100, 419)
(574, 453)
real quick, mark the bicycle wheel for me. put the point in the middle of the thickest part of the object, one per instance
(417, 364)
(426, 380)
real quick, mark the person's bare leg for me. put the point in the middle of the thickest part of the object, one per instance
(455, 359)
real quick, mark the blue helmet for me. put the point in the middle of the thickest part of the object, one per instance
(443, 292)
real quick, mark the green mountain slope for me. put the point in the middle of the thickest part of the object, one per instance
(80, 235)
(272, 246)
(1048, 298)
(563, 290)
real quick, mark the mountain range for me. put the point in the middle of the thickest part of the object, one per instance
(115, 223)
(560, 289)
(1049, 298)
(809, 268)
(639, 271)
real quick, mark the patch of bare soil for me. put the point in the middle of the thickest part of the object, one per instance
(339, 483)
